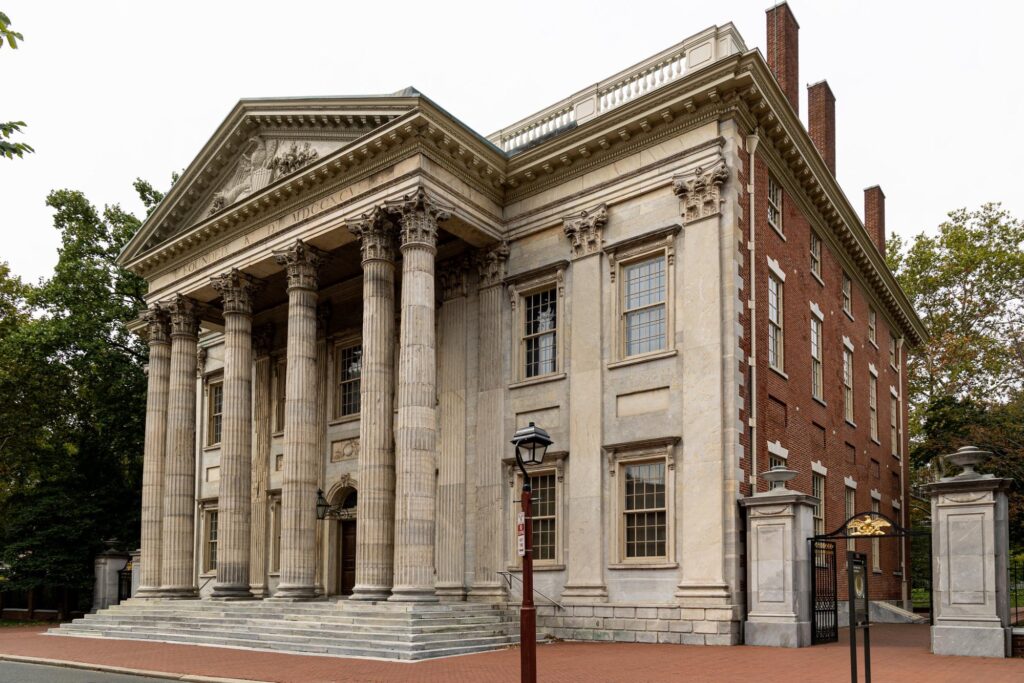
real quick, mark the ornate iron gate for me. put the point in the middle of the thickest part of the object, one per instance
(825, 619)
(124, 583)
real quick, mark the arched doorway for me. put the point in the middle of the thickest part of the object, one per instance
(341, 541)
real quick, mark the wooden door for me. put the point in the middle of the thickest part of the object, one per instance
(347, 564)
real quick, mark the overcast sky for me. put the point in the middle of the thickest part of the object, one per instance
(929, 100)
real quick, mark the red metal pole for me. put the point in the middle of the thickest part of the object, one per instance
(528, 613)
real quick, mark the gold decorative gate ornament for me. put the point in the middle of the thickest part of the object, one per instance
(868, 526)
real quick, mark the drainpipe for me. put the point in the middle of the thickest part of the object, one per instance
(904, 504)
(752, 142)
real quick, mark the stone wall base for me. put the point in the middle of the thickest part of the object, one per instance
(970, 641)
(777, 634)
(625, 623)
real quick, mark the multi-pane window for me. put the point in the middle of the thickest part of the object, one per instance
(776, 352)
(872, 326)
(211, 540)
(540, 330)
(350, 369)
(893, 428)
(543, 506)
(876, 554)
(818, 491)
(817, 379)
(873, 405)
(851, 510)
(644, 510)
(215, 421)
(774, 204)
(815, 254)
(644, 314)
(776, 461)
(281, 381)
(892, 352)
(848, 384)
(847, 295)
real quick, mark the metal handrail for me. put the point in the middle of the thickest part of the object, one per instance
(508, 579)
(208, 580)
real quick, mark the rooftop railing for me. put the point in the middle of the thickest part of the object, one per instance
(667, 66)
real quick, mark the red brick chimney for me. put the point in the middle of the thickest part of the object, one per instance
(783, 51)
(874, 216)
(821, 121)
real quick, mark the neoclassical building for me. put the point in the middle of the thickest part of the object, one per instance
(365, 297)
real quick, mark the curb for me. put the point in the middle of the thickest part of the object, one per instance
(188, 678)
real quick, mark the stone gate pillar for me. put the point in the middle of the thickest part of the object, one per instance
(970, 545)
(779, 522)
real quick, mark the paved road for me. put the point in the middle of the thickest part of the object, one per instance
(14, 672)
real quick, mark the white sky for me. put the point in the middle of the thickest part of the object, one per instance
(929, 99)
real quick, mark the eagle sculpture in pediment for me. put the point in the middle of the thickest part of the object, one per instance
(262, 162)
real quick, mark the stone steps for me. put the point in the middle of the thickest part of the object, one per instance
(342, 628)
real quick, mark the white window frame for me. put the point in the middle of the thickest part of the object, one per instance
(894, 434)
(212, 388)
(619, 456)
(873, 402)
(848, 413)
(554, 464)
(340, 347)
(818, 490)
(621, 255)
(876, 546)
(775, 204)
(777, 454)
(873, 326)
(776, 322)
(850, 508)
(211, 524)
(815, 255)
(525, 285)
(893, 360)
(847, 295)
(817, 359)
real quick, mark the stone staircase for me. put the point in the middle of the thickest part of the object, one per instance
(342, 628)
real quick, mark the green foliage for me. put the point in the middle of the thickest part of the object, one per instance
(72, 419)
(10, 150)
(12, 37)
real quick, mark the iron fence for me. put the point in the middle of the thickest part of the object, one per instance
(1016, 591)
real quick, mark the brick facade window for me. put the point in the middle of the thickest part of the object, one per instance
(776, 351)
(818, 491)
(872, 326)
(847, 295)
(893, 427)
(848, 384)
(892, 352)
(851, 510)
(774, 204)
(350, 370)
(817, 379)
(876, 554)
(815, 255)
(873, 406)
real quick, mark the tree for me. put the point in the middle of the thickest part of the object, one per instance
(9, 128)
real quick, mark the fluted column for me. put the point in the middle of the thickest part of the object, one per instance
(158, 335)
(375, 524)
(259, 532)
(323, 318)
(298, 487)
(490, 442)
(451, 480)
(416, 431)
(177, 556)
(233, 503)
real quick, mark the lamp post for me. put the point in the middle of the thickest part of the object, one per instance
(531, 444)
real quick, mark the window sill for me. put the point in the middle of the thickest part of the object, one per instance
(779, 372)
(778, 232)
(279, 433)
(633, 360)
(897, 574)
(820, 400)
(537, 567)
(848, 314)
(644, 565)
(876, 441)
(344, 420)
(850, 423)
(876, 571)
(208, 574)
(872, 342)
(212, 447)
(818, 278)
(533, 381)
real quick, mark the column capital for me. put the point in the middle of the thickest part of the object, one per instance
(158, 325)
(302, 263)
(237, 290)
(376, 234)
(262, 339)
(453, 276)
(491, 264)
(585, 230)
(184, 316)
(418, 216)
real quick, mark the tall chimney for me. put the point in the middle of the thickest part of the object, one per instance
(821, 120)
(783, 51)
(874, 216)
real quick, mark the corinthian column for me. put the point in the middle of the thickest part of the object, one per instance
(301, 465)
(375, 524)
(236, 290)
(158, 334)
(177, 557)
(260, 463)
(451, 480)
(490, 441)
(416, 432)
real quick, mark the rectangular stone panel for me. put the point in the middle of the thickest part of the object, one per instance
(548, 418)
(641, 402)
(771, 570)
(966, 543)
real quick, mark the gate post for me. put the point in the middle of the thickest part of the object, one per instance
(779, 522)
(970, 544)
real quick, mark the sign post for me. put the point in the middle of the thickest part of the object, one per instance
(856, 571)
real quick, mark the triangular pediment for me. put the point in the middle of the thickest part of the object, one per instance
(259, 145)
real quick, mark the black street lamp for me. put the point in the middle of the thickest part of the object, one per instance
(531, 444)
(323, 508)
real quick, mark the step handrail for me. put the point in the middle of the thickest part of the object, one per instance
(508, 579)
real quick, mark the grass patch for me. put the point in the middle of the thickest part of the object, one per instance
(14, 623)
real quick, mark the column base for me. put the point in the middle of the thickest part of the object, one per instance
(777, 634)
(450, 592)
(370, 593)
(595, 592)
(487, 592)
(259, 592)
(970, 641)
(178, 593)
(294, 593)
(144, 593)
(231, 592)
(412, 594)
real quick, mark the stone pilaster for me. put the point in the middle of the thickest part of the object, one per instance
(585, 568)
(259, 530)
(490, 439)
(298, 488)
(416, 429)
(375, 525)
(177, 557)
(235, 496)
(158, 336)
(451, 481)
(323, 317)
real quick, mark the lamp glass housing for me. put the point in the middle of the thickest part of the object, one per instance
(531, 444)
(322, 506)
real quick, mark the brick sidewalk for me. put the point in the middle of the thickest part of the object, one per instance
(900, 653)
